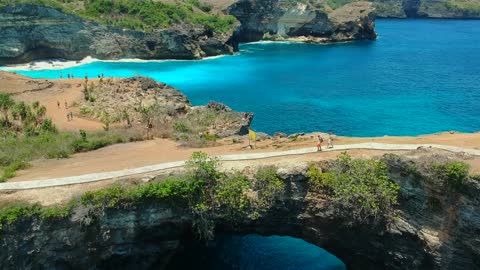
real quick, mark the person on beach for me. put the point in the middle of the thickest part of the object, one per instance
(319, 143)
(330, 140)
(61, 76)
(68, 75)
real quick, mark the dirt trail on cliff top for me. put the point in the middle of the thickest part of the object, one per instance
(131, 155)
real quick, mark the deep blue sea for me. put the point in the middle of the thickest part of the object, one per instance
(255, 252)
(420, 76)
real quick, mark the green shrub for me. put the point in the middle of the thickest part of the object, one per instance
(10, 170)
(107, 197)
(13, 213)
(360, 188)
(230, 194)
(58, 211)
(453, 175)
(180, 190)
(268, 185)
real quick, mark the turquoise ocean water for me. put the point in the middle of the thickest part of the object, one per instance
(420, 76)
(255, 252)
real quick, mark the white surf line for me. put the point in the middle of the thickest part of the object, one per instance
(93, 177)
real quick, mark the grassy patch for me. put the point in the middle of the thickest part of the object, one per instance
(17, 151)
(334, 4)
(14, 213)
(145, 15)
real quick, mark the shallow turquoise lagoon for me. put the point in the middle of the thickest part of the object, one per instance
(420, 76)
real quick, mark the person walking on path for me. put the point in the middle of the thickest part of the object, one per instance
(319, 143)
(330, 140)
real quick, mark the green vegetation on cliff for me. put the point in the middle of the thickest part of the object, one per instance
(26, 134)
(360, 188)
(145, 15)
(359, 191)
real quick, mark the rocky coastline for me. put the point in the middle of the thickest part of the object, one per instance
(32, 32)
(432, 228)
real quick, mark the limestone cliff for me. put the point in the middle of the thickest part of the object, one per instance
(432, 229)
(276, 19)
(31, 32)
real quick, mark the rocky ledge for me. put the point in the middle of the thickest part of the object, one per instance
(302, 21)
(30, 32)
(433, 227)
(143, 102)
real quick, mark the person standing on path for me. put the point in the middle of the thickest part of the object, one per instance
(319, 143)
(330, 140)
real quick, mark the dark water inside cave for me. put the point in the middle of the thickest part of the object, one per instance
(256, 252)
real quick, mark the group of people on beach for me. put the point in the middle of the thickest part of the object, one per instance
(69, 114)
(71, 76)
(320, 141)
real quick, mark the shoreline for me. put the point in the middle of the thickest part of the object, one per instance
(12, 76)
(59, 64)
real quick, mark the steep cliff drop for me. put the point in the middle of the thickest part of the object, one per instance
(281, 20)
(30, 32)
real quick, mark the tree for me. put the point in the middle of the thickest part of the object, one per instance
(125, 116)
(40, 113)
(106, 120)
(147, 117)
(20, 111)
(6, 103)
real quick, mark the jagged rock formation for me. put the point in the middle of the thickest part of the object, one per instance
(120, 96)
(31, 32)
(433, 230)
(274, 19)
(127, 99)
(237, 123)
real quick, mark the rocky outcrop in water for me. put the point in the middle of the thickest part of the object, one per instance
(31, 32)
(283, 20)
(433, 229)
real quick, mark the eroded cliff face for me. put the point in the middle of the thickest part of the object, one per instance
(274, 19)
(31, 32)
(432, 230)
